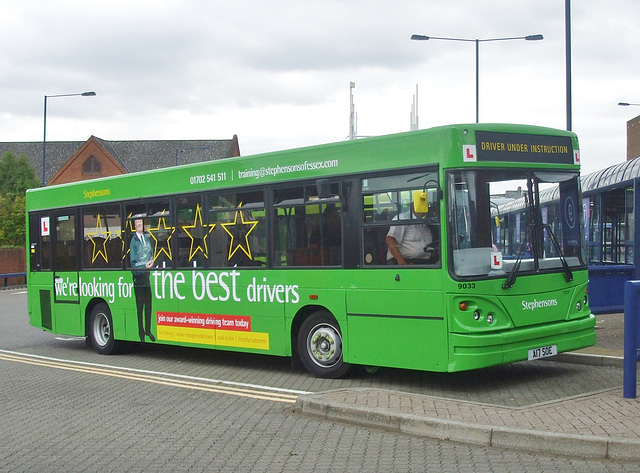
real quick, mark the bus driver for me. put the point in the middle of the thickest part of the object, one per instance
(409, 244)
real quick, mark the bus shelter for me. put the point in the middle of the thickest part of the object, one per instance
(610, 203)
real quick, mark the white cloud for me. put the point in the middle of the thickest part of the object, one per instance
(277, 73)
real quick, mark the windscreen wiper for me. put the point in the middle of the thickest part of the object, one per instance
(513, 274)
(516, 266)
(568, 275)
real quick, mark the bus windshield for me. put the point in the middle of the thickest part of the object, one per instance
(506, 222)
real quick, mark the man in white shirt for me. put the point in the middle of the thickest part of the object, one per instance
(409, 244)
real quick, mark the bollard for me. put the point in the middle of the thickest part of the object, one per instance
(631, 313)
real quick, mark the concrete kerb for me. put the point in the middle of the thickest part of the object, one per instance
(571, 445)
(588, 359)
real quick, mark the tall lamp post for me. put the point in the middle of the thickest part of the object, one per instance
(533, 37)
(44, 137)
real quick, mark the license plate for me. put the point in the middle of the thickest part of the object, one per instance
(543, 352)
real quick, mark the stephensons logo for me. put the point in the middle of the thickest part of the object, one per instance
(536, 304)
(96, 193)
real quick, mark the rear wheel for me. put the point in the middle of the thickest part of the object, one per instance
(100, 331)
(320, 346)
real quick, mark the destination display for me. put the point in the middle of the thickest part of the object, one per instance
(517, 147)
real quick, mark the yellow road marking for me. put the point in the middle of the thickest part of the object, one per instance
(165, 381)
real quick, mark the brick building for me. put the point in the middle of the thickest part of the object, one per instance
(633, 138)
(70, 161)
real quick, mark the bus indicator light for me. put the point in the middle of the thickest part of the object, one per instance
(463, 306)
(313, 297)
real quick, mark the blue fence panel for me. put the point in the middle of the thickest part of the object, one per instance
(631, 337)
(606, 287)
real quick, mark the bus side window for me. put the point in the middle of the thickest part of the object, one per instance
(39, 254)
(390, 216)
(237, 230)
(325, 240)
(103, 237)
(308, 226)
(65, 250)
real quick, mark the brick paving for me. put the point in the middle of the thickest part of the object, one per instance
(602, 414)
(604, 423)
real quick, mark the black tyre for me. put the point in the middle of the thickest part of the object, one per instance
(320, 346)
(100, 331)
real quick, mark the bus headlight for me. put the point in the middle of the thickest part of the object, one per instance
(579, 306)
(478, 314)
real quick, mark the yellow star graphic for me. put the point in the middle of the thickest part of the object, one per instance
(160, 239)
(129, 224)
(238, 230)
(124, 250)
(198, 231)
(99, 233)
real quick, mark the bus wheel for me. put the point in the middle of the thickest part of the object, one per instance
(320, 347)
(100, 330)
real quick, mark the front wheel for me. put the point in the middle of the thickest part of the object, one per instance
(320, 346)
(100, 331)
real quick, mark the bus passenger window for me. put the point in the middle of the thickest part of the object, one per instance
(39, 242)
(157, 226)
(395, 231)
(65, 249)
(103, 237)
(308, 227)
(238, 230)
(193, 233)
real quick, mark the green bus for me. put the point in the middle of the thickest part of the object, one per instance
(299, 253)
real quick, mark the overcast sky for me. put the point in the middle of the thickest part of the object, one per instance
(277, 73)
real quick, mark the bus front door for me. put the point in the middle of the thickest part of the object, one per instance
(65, 309)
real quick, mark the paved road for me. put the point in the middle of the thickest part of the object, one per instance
(64, 408)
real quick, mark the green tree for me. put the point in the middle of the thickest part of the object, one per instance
(16, 176)
(12, 220)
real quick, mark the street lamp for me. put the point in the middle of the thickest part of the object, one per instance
(533, 37)
(627, 104)
(180, 150)
(44, 138)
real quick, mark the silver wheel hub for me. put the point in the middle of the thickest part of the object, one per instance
(324, 345)
(101, 330)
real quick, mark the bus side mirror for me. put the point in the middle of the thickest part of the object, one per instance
(324, 188)
(420, 202)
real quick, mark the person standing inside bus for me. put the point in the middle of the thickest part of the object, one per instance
(409, 244)
(141, 256)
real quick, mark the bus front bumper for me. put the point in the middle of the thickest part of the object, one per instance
(489, 349)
